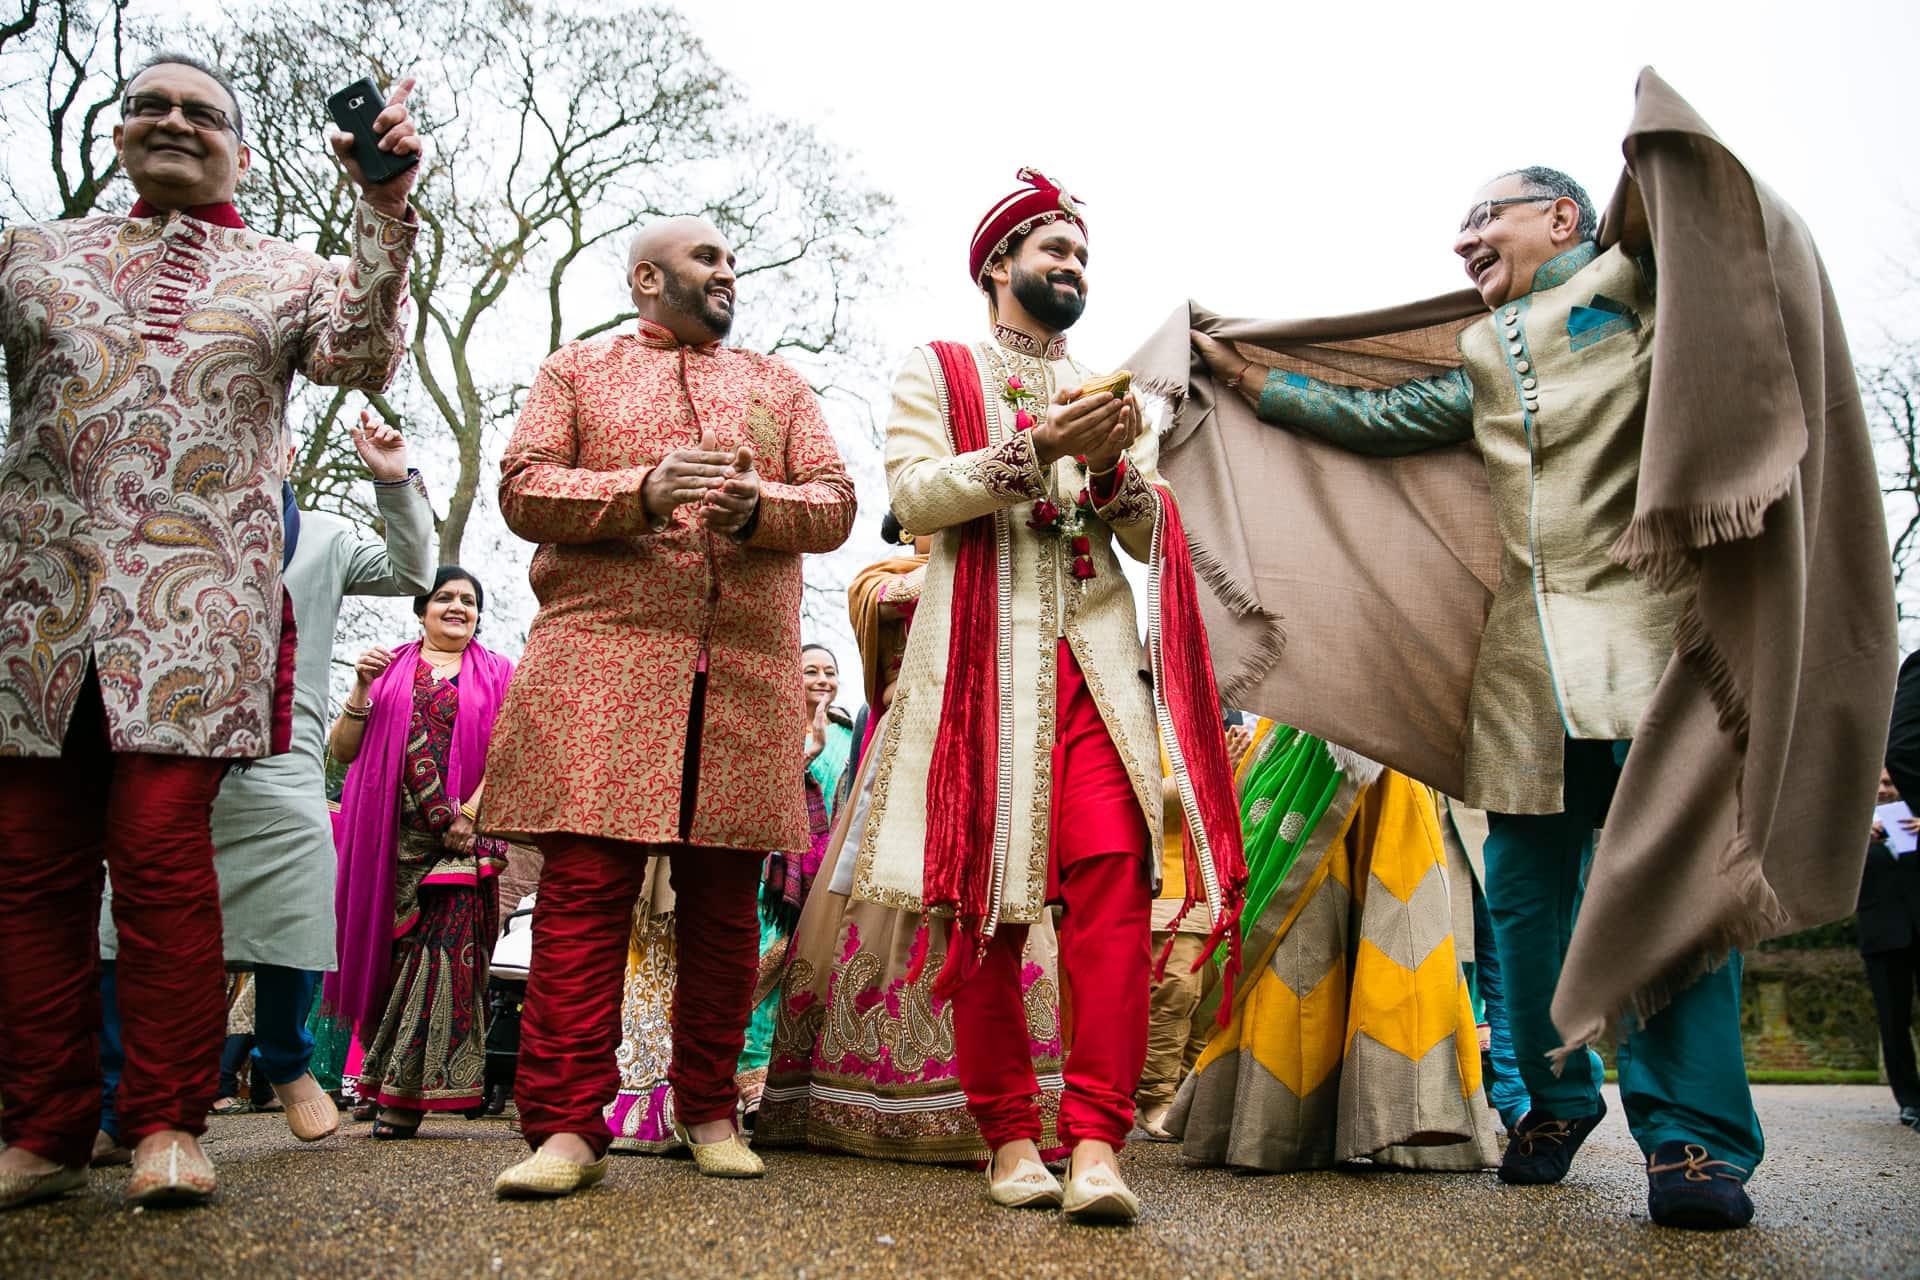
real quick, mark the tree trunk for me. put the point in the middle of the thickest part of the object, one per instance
(454, 528)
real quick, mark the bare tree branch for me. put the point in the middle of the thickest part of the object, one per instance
(556, 131)
(64, 66)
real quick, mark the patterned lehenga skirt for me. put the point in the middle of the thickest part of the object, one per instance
(641, 1114)
(428, 1050)
(863, 1058)
(1351, 1035)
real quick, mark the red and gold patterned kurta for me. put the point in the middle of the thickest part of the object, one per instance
(148, 363)
(593, 734)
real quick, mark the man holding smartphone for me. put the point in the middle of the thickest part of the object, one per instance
(145, 626)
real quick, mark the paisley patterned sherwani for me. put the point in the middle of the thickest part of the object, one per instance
(934, 492)
(148, 361)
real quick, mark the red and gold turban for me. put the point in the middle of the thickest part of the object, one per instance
(1041, 201)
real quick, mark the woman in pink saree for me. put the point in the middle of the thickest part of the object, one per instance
(417, 899)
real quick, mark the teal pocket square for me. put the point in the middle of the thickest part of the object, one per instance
(1601, 319)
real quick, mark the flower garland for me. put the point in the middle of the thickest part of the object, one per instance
(1048, 518)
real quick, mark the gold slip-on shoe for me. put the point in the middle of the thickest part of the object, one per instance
(731, 1157)
(547, 1177)
(106, 1151)
(311, 1119)
(175, 1175)
(18, 1188)
(1098, 1194)
(1029, 1186)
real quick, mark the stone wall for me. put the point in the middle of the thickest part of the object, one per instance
(1806, 1005)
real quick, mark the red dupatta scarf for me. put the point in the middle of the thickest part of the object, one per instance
(963, 871)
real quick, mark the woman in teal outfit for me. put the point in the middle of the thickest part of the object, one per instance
(783, 887)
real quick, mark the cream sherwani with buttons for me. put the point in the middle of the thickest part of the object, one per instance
(935, 492)
(1553, 389)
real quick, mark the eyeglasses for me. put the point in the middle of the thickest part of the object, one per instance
(1481, 214)
(152, 107)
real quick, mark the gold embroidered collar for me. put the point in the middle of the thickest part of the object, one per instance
(1027, 345)
(661, 338)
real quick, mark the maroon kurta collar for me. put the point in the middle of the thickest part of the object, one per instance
(221, 214)
(662, 339)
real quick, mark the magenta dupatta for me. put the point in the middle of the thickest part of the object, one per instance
(367, 829)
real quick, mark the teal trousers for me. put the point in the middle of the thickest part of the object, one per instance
(1683, 1075)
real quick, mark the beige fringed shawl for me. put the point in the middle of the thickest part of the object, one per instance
(1347, 594)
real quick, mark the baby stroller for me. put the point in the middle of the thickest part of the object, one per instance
(506, 996)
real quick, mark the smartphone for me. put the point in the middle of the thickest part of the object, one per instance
(354, 109)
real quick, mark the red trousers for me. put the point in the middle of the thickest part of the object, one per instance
(146, 817)
(570, 1025)
(1098, 871)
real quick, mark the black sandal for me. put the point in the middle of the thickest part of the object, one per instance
(390, 1131)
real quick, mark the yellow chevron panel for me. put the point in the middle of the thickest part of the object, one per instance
(1300, 1041)
(1407, 1012)
(1402, 830)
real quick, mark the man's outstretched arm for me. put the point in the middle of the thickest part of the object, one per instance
(1426, 413)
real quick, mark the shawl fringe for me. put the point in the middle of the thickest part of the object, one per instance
(1660, 545)
(1696, 647)
(1363, 771)
(1262, 656)
(1174, 392)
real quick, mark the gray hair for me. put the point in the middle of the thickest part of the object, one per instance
(1542, 181)
(173, 58)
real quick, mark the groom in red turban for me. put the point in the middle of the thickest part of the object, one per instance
(1025, 742)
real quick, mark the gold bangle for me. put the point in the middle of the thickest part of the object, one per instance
(1102, 475)
(352, 712)
(470, 813)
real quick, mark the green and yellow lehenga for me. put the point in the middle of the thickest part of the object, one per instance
(1352, 1034)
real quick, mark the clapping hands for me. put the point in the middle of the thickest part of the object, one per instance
(817, 731)
(726, 486)
(731, 503)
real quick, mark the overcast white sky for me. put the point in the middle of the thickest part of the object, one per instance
(1281, 159)
(1278, 159)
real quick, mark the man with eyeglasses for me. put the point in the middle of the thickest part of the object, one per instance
(145, 630)
(1554, 390)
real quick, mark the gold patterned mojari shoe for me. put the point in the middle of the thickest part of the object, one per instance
(1097, 1194)
(731, 1157)
(1029, 1186)
(18, 1187)
(107, 1151)
(171, 1175)
(547, 1177)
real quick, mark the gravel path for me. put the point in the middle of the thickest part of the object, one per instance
(1839, 1195)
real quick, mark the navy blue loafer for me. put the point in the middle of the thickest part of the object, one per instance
(1688, 1188)
(1542, 1148)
